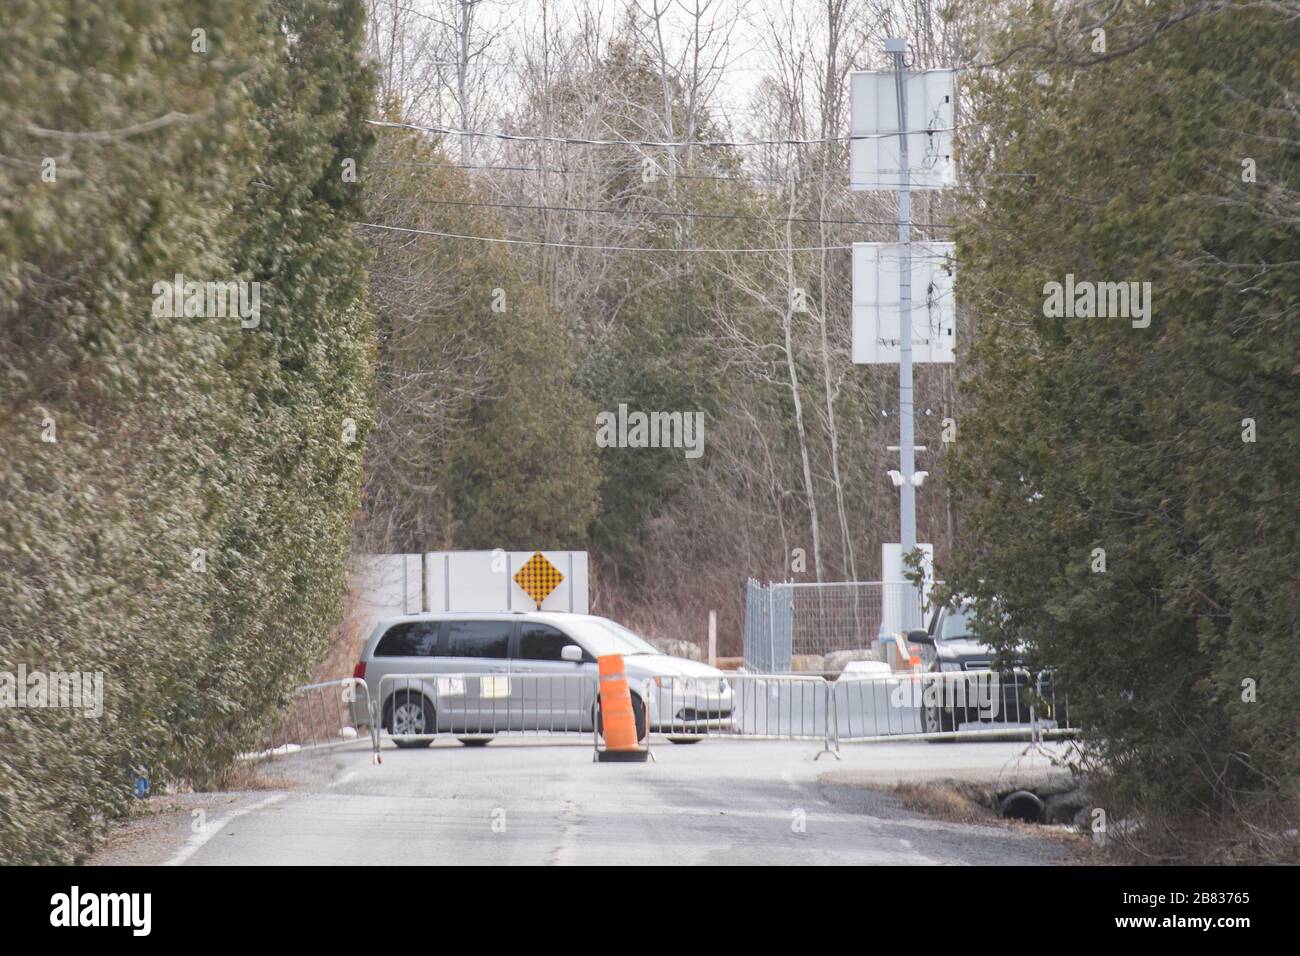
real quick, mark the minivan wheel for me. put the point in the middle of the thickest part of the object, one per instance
(638, 714)
(409, 715)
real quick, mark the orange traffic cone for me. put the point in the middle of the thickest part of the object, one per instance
(619, 723)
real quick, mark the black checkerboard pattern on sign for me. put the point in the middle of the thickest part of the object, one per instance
(538, 577)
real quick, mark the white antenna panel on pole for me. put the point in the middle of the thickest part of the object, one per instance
(875, 303)
(873, 109)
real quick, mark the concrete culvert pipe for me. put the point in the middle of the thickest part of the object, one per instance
(1021, 805)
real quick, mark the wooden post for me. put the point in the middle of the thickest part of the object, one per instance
(713, 638)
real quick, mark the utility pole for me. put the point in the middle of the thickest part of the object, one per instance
(870, 167)
(897, 47)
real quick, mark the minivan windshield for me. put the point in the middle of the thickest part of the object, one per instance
(605, 637)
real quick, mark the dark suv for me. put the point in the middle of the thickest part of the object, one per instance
(967, 694)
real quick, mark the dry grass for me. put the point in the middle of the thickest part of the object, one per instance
(957, 802)
(1265, 836)
(1251, 830)
(947, 800)
(247, 775)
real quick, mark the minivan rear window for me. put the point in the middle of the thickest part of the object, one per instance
(413, 639)
(478, 638)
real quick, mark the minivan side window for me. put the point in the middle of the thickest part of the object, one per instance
(413, 639)
(541, 642)
(478, 638)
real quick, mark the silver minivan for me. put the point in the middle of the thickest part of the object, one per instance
(476, 674)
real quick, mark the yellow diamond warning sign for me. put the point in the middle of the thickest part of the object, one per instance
(538, 577)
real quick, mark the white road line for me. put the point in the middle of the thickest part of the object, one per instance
(196, 842)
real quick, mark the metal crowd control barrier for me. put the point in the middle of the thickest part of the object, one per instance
(414, 709)
(750, 706)
(950, 705)
(1055, 709)
(322, 715)
(417, 708)
(853, 708)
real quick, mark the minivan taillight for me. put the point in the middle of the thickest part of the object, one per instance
(359, 672)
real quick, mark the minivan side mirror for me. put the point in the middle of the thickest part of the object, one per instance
(571, 652)
(920, 637)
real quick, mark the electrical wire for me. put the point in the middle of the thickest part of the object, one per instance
(612, 170)
(673, 214)
(917, 254)
(597, 247)
(652, 144)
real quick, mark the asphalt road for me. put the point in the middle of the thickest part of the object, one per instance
(533, 802)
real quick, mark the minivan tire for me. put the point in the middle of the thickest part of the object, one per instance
(396, 705)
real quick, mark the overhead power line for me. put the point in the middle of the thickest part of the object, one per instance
(596, 246)
(830, 174)
(607, 171)
(652, 144)
(599, 247)
(672, 213)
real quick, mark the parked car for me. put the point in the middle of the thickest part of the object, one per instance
(1012, 696)
(484, 673)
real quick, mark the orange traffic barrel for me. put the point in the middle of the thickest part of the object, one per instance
(617, 719)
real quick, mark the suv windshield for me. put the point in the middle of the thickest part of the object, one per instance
(957, 625)
(606, 637)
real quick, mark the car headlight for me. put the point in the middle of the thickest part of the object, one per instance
(723, 686)
(950, 665)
